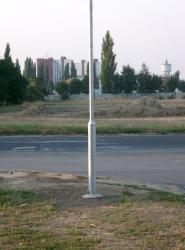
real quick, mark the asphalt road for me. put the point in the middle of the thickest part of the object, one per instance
(142, 158)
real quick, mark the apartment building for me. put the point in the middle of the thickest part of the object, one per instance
(53, 71)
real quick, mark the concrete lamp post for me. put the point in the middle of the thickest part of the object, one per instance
(92, 123)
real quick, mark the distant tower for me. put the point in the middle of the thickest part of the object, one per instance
(166, 69)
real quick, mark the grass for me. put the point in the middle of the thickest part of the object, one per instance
(142, 218)
(130, 194)
(81, 128)
(71, 117)
(25, 224)
(18, 197)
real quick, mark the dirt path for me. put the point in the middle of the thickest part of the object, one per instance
(67, 190)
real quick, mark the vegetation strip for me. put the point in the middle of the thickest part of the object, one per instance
(51, 129)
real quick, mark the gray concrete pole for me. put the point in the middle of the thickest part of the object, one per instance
(92, 122)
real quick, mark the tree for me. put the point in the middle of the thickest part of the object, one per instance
(73, 70)
(7, 56)
(17, 65)
(29, 69)
(156, 83)
(108, 64)
(173, 82)
(12, 84)
(41, 76)
(62, 89)
(34, 92)
(66, 71)
(182, 85)
(96, 80)
(128, 79)
(144, 80)
(4, 83)
(85, 85)
(117, 83)
(75, 86)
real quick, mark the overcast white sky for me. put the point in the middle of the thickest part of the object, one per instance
(143, 30)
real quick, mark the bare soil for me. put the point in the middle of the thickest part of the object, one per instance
(66, 189)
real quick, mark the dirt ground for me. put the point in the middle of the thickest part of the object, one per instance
(127, 217)
(67, 190)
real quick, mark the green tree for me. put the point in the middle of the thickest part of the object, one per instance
(118, 83)
(17, 65)
(128, 79)
(62, 89)
(96, 80)
(73, 70)
(34, 91)
(41, 77)
(66, 72)
(156, 83)
(182, 85)
(12, 82)
(75, 86)
(108, 64)
(145, 80)
(4, 83)
(7, 56)
(29, 68)
(85, 85)
(173, 82)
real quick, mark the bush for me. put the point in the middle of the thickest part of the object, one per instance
(34, 92)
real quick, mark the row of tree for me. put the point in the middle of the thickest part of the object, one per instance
(12, 84)
(128, 81)
(72, 86)
(15, 87)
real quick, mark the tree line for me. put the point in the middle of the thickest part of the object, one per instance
(128, 81)
(16, 87)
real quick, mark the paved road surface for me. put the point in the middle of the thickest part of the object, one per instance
(145, 158)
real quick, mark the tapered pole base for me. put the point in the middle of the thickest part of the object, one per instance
(92, 162)
(92, 196)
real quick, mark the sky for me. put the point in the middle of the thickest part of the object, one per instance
(149, 31)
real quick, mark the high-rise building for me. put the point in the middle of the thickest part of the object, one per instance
(57, 72)
(81, 69)
(63, 58)
(52, 71)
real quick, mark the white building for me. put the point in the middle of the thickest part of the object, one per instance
(57, 72)
(166, 69)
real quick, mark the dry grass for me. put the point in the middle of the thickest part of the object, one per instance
(72, 117)
(52, 215)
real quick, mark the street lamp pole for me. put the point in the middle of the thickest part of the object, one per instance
(92, 122)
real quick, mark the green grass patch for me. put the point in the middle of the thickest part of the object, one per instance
(18, 197)
(81, 128)
(155, 195)
(133, 193)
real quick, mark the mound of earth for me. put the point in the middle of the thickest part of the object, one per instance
(36, 109)
(144, 107)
